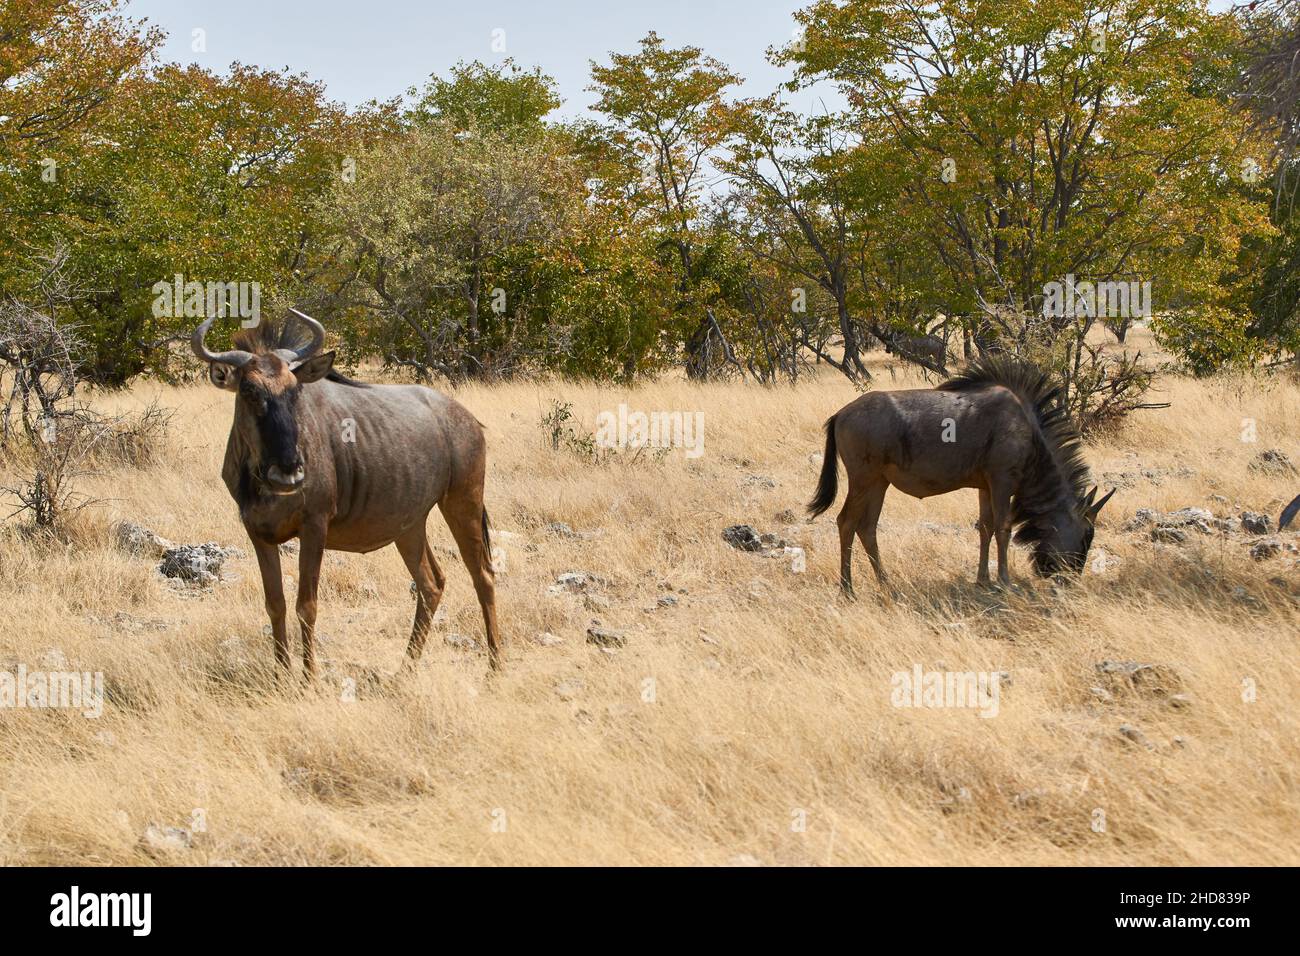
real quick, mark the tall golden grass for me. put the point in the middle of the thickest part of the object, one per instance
(751, 722)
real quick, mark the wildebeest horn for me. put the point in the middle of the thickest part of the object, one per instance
(1288, 513)
(1094, 507)
(297, 356)
(236, 357)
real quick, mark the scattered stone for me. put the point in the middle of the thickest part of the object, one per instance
(1252, 522)
(562, 530)
(1273, 461)
(194, 563)
(667, 601)
(1028, 798)
(1168, 535)
(1180, 701)
(547, 639)
(1102, 694)
(166, 839)
(140, 541)
(744, 537)
(1142, 518)
(1134, 734)
(1154, 679)
(569, 689)
(464, 642)
(952, 800)
(1268, 548)
(577, 582)
(290, 547)
(786, 517)
(605, 637)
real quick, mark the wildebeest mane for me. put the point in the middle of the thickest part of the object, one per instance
(266, 337)
(1058, 470)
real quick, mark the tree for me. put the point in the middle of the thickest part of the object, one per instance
(61, 64)
(1068, 138)
(668, 112)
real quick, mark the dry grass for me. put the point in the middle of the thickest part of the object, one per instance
(771, 696)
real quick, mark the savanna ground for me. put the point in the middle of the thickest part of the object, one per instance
(749, 722)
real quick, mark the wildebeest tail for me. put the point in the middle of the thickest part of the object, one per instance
(828, 485)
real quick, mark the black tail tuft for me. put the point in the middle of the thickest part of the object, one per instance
(828, 485)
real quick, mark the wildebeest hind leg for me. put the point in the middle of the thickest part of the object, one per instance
(875, 500)
(467, 519)
(848, 520)
(429, 583)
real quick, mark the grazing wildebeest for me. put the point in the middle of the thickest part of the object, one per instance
(997, 427)
(347, 466)
(927, 348)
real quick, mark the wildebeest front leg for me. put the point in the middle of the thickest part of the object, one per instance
(429, 583)
(311, 552)
(986, 535)
(268, 562)
(1000, 501)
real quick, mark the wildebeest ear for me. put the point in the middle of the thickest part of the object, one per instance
(224, 376)
(315, 368)
(1093, 509)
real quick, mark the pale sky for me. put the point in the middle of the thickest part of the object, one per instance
(364, 49)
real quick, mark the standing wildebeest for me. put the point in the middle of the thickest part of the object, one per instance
(347, 466)
(997, 427)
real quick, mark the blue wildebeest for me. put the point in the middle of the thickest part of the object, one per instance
(997, 427)
(346, 466)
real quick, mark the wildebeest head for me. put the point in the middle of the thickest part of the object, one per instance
(1061, 540)
(267, 381)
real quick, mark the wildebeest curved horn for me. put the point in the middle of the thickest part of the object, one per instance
(1095, 507)
(236, 357)
(1288, 513)
(297, 356)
